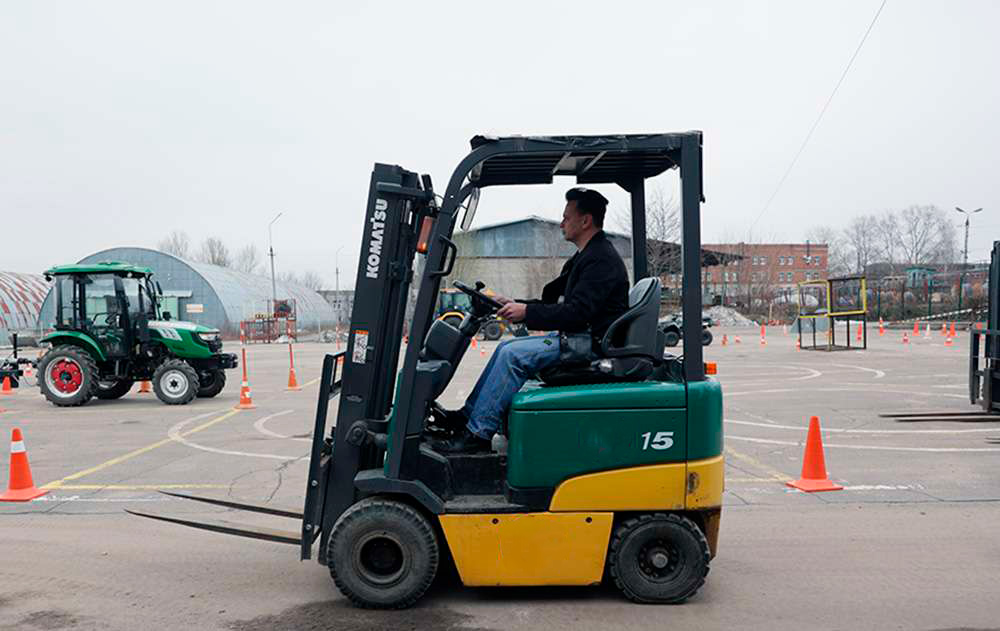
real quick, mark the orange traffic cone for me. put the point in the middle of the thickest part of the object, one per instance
(763, 335)
(246, 402)
(725, 339)
(916, 328)
(952, 329)
(906, 340)
(881, 327)
(944, 329)
(474, 343)
(948, 341)
(859, 332)
(814, 464)
(20, 488)
(144, 387)
(798, 344)
(5, 389)
(293, 384)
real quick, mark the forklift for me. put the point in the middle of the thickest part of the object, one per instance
(613, 469)
(454, 304)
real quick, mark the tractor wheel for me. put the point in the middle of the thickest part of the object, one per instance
(706, 337)
(67, 376)
(672, 337)
(175, 382)
(493, 331)
(382, 554)
(658, 558)
(211, 383)
(113, 389)
(453, 320)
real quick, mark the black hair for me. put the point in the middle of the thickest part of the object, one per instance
(589, 202)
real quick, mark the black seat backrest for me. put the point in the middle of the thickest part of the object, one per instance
(637, 327)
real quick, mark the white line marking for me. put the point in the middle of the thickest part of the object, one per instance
(77, 498)
(175, 434)
(837, 430)
(259, 426)
(835, 389)
(878, 373)
(790, 443)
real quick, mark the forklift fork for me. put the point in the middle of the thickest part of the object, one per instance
(318, 468)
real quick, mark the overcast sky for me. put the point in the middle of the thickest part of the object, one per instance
(123, 121)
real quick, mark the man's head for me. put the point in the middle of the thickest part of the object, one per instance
(583, 215)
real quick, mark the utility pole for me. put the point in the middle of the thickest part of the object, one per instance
(965, 258)
(270, 241)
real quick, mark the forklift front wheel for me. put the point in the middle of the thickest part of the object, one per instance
(382, 554)
(659, 558)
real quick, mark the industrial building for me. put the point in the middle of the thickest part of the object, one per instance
(211, 295)
(21, 297)
(516, 258)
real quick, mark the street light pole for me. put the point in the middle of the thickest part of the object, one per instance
(965, 259)
(270, 242)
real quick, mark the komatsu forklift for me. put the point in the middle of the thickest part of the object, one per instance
(613, 469)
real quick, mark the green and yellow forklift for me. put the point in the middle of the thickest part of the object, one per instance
(613, 469)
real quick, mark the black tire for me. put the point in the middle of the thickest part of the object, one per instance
(211, 383)
(672, 338)
(113, 389)
(706, 337)
(67, 376)
(453, 320)
(640, 544)
(175, 382)
(383, 554)
(493, 331)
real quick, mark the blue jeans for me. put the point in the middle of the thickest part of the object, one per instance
(514, 362)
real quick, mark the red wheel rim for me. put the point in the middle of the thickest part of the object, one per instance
(66, 376)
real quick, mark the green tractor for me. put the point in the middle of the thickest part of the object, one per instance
(109, 333)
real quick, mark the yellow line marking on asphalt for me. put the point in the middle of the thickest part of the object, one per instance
(137, 487)
(138, 452)
(750, 460)
(309, 383)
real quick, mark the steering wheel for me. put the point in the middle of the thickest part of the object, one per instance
(476, 294)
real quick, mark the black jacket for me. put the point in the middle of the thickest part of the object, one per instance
(594, 287)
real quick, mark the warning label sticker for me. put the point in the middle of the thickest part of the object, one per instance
(360, 352)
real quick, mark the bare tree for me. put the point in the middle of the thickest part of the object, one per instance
(288, 277)
(214, 252)
(176, 243)
(839, 258)
(925, 235)
(663, 229)
(248, 259)
(861, 237)
(311, 279)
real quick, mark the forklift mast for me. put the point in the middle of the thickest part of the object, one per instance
(984, 378)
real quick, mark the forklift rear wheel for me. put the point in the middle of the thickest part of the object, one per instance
(659, 558)
(672, 338)
(493, 331)
(382, 554)
(211, 383)
(67, 376)
(113, 388)
(175, 382)
(706, 337)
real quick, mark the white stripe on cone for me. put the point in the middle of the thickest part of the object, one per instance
(17, 447)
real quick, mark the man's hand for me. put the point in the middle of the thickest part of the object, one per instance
(513, 311)
(501, 299)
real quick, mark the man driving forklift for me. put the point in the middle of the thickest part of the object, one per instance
(589, 294)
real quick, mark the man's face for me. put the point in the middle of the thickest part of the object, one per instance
(573, 222)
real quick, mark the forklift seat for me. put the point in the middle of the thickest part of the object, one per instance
(633, 360)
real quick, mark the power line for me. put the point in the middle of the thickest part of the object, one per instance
(820, 117)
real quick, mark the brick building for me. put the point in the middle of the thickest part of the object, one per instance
(764, 270)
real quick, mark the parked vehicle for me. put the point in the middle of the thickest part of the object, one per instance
(673, 329)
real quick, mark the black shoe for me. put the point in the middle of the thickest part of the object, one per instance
(446, 423)
(465, 443)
